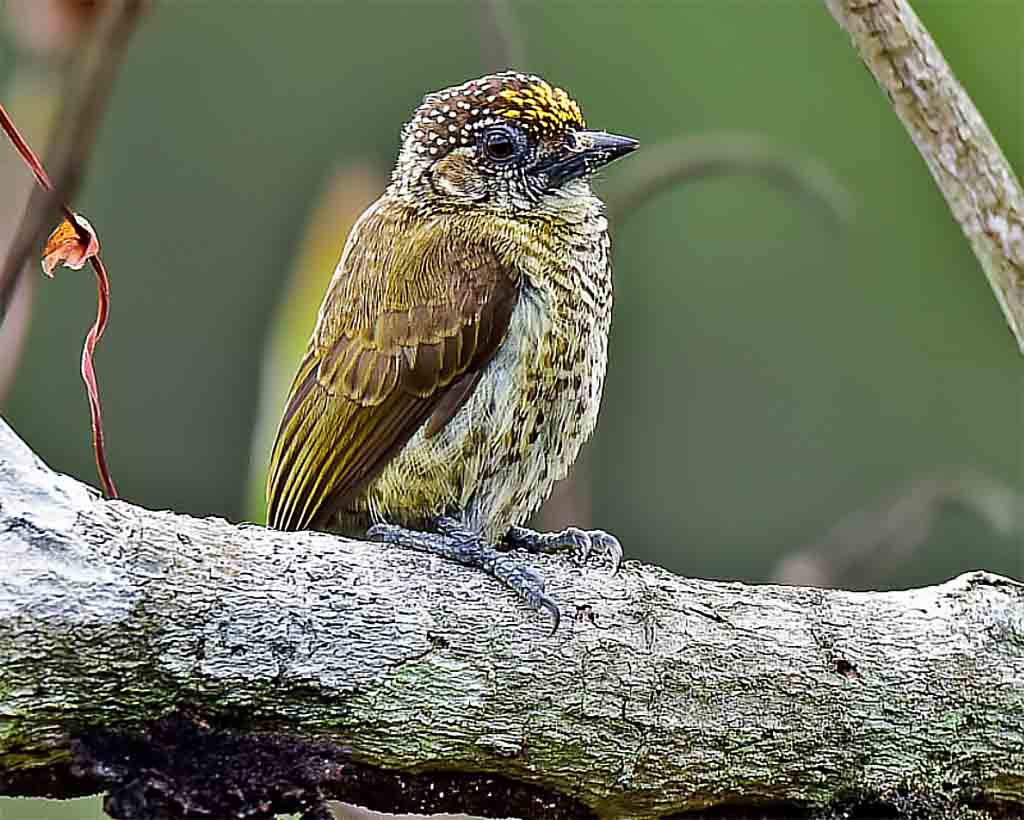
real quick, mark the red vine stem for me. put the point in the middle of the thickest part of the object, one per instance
(89, 374)
(102, 303)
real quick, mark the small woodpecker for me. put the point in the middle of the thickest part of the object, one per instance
(458, 359)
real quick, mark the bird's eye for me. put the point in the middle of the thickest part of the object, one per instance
(501, 143)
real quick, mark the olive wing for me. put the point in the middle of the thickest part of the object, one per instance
(405, 329)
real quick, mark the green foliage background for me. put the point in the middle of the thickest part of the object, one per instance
(767, 375)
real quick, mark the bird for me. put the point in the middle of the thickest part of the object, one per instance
(458, 358)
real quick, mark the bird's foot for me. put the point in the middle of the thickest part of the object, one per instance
(582, 543)
(456, 543)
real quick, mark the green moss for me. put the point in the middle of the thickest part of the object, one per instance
(20, 761)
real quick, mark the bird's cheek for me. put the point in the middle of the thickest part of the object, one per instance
(455, 177)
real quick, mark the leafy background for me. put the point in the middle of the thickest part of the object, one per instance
(769, 375)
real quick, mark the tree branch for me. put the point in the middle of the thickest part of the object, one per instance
(978, 183)
(659, 694)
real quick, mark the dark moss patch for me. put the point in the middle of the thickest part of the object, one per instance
(184, 767)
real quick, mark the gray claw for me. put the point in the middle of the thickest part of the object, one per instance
(580, 540)
(609, 545)
(518, 576)
(551, 608)
(530, 585)
(583, 543)
(454, 542)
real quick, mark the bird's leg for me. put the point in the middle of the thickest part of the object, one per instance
(456, 543)
(583, 543)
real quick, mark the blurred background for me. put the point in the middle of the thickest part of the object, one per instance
(809, 381)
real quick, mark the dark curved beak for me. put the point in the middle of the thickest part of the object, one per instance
(592, 150)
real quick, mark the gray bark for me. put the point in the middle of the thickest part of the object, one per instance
(658, 694)
(982, 191)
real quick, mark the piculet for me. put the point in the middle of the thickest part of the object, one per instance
(458, 359)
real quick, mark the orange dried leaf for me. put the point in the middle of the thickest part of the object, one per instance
(71, 245)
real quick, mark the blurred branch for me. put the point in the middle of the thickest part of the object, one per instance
(571, 500)
(981, 189)
(13, 333)
(90, 79)
(867, 546)
(657, 169)
(349, 192)
(660, 168)
(237, 671)
(501, 39)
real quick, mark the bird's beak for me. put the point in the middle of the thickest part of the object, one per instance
(592, 150)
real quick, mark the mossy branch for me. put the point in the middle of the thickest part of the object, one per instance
(386, 678)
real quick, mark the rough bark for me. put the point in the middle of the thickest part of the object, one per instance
(427, 687)
(981, 189)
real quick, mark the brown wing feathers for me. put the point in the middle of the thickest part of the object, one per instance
(392, 347)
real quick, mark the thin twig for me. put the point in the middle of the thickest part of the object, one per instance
(687, 159)
(981, 189)
(684, 160)
(23, 148)
(32, 161)
(501, 38)
(90, 79)
(865, 547)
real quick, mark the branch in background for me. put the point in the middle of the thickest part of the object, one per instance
(90, 79)
(232, 668)
(45, 30)
(350, 190)
(501, 38)
(981, 189)
(571, 501)
(14, 332)
(655, 170)
(866, 547)
(675, 163)
(662, 167)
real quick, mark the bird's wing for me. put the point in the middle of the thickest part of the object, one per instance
(413, 314)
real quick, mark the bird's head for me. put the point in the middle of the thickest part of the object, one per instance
(509, 142)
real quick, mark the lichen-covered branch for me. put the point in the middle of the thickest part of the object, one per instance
(978, 183)
(659, 694)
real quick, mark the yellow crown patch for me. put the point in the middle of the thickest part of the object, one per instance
(540, 105)
(453, 116)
